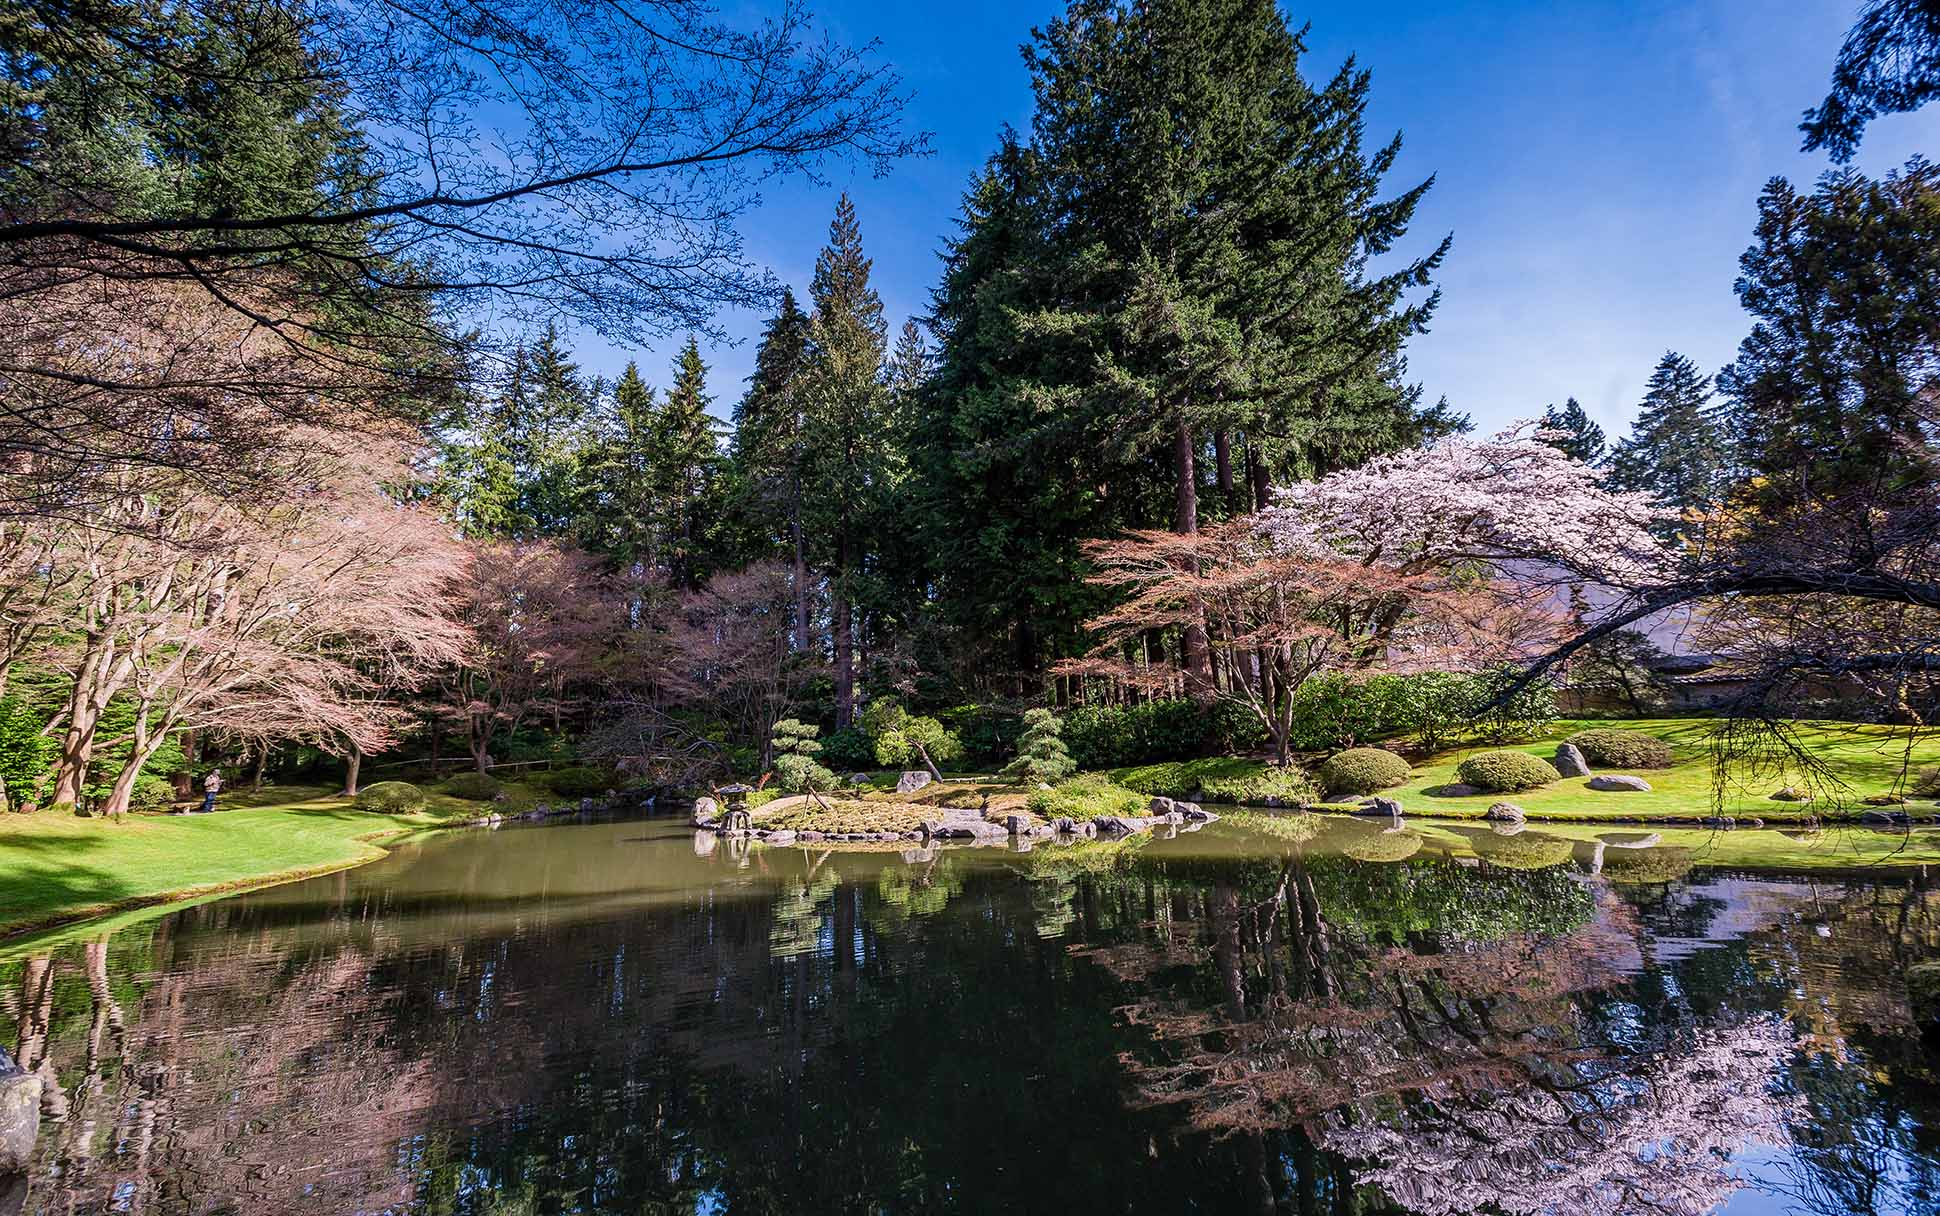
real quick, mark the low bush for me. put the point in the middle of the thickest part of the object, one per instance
(848, 748)
(151, 793)
(1362, 770)
(1607, 747)
(1218, 779)
(1505, 772)
(474, 787)
(390, 798)
(1085, 797)
(1287, 785)
(580, 781)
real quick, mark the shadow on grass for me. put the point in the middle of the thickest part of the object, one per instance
(37, 893)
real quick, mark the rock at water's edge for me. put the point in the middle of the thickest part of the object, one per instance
(1620, 784)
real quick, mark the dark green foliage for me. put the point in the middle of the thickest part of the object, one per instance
(1436, 708)
(1623, 665)
(989, 732)
(580, 781)
(1577, 434)
(26, 756)
(390, 798)
(848, 749)
(1828, 393)
(1361, 770)
(1505, 772)
(1110, 736)
(1677, 451)
(1219, 779)
(1607, 747)
(1888, 64)
(474, 787)
(1158, 302)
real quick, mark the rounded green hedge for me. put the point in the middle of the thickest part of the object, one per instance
(580, 781)
(1362, 770)
(474, 787)
(1607, 747)
(1505, 772)
(390, 798)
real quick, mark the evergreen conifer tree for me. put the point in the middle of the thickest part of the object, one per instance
(1578, 434)
(767, 456)
(1676, 450)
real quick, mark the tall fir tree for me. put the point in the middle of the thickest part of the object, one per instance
(1577, 434)
(1676, 451)
(619, 516)
(767, 457)
(1183, 253)
(846, 436)
(685, 464)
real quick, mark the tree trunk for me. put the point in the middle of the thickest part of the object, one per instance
(262, 761)
(1198, 655)
(353, 765)
(1256, 473)
(843, 638)
(802, 618)
(1223, 459)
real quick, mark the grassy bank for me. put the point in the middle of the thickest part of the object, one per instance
(56, 868)
(1868, 759)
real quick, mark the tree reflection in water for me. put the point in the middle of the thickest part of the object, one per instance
(605, 1022)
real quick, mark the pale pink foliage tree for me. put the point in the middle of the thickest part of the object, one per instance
(275, 619)
(545, 621)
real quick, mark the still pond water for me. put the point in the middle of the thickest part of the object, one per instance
(597, 1018)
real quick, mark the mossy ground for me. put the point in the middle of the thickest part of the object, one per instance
(56, 867)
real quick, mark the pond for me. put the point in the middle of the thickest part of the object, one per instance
(613, 1017)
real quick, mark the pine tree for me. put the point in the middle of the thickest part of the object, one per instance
(619, 518)
(1578, 435)
(1828, 393)
(1182, 254)
(767, 456)
(846, 438)
(1676, 450)
(685, 467)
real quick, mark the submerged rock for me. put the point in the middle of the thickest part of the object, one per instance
(19, 1116)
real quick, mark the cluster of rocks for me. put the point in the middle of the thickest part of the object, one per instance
(611, 801)
(1570, 762)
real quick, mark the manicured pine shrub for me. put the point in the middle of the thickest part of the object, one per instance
(1505, 772)
(390, 798)
(1041, 753)
(1607, 747)
(1362, 770)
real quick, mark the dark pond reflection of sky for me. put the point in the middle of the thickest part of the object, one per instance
(605, 1018)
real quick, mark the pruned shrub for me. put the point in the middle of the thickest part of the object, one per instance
(151, 793)
(1362, 770)
(1505, 772)
(1607, 747)
(848, 748)
(796, 768)
(390, 798)
(474, 787)
(580, 781)
(1041, 754)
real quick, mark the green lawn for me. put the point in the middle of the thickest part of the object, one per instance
(58, 867)
(1869, 759)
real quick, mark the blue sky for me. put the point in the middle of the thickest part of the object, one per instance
(1597, 163)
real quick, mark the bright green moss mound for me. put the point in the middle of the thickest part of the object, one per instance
(1606, 747)
(1362, 770)
(391, 798)
(1506, 772)
(1087, 796)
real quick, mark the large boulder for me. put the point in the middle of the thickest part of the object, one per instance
(1161, 806)
(1620, 784)
(1504, 812)
(19, 1116)
(1569, 761)
(912, 781)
